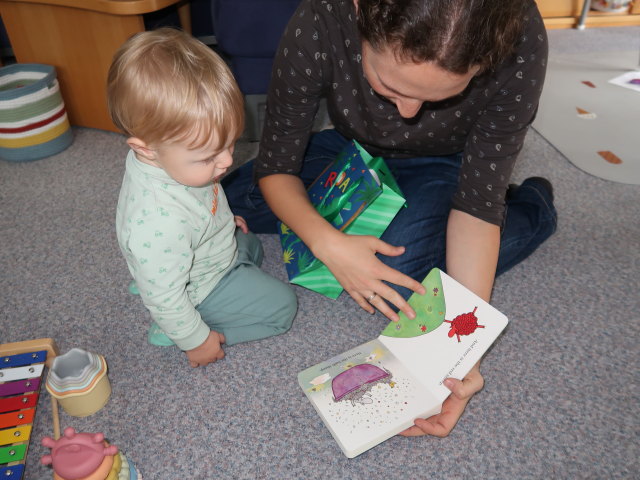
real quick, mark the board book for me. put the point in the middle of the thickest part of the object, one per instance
(376, 390)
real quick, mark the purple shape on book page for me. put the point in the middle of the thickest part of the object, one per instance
(355, 378)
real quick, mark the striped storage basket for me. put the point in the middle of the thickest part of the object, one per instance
(33, 120)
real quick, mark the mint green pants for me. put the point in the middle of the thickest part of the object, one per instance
(249, 304)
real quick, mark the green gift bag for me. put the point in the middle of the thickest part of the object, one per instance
(358, 195)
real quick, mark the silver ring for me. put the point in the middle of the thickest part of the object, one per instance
(371, 297)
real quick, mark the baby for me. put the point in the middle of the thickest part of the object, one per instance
(196, 266)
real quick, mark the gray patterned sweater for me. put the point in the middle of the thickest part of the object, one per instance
(319, 56)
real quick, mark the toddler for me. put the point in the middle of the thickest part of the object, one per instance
(196, 266)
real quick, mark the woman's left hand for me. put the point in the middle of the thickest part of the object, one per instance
(440, 425)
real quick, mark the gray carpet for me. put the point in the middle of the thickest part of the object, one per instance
(561, 398)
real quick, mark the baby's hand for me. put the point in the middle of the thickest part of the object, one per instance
(241, 223)
(208, 352)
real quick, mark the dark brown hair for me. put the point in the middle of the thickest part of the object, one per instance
(455, 34)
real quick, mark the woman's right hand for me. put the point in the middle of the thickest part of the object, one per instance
(352, 260)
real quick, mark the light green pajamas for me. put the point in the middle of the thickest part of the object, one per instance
(248, 304)
(180, 246)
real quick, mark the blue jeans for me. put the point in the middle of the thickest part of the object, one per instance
(428, 184)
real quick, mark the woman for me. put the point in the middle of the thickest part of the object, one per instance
(445, 91)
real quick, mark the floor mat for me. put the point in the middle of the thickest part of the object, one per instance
(593, 122)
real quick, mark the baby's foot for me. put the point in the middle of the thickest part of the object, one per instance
(157, 337)
(133, 288)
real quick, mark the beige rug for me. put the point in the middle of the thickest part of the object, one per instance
(593, 122)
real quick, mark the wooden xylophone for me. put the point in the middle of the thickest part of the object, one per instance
(22, 367)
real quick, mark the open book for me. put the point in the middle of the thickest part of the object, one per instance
(376, 390)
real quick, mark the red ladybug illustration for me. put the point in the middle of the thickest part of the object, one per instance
(464, 324)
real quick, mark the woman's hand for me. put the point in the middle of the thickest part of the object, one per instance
(440, 425)
(352, 260)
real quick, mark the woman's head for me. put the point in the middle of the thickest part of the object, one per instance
(455, 35)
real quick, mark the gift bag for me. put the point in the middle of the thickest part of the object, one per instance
(356, 194)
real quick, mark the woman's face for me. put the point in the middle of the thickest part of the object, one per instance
(409, 85)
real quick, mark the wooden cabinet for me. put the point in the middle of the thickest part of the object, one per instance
(79, 38)
(560, 8)
(566, 13)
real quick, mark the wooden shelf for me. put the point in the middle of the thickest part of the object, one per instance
(566, 13)
(113, 7)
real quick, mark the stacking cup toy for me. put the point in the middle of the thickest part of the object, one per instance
(78, 380)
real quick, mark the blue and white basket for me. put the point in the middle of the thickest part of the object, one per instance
(33, 119)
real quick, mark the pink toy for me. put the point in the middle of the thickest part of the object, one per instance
(77, 455)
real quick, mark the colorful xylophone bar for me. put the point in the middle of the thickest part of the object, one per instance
(22, 367)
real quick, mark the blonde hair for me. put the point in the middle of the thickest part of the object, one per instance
(166, 86)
